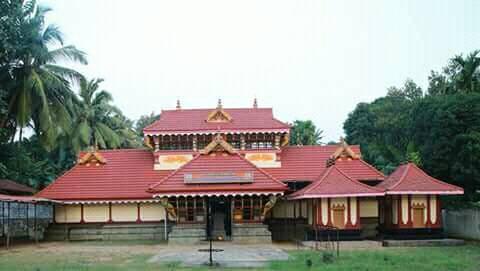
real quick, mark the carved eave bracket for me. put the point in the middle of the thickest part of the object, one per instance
(218, 144)
(92, 157)
(269, 205)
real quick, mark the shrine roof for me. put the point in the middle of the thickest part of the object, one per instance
(126, 174)
(410, 179)
(336, 183)
(218, 173)
(306, 163)
(192, 121)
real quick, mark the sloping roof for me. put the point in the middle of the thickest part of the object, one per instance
(306, 163)
(335, 183)
(409, 179)
(126, 175)
(195, 121)
(174, 184)
(24, 199)
(14, 187)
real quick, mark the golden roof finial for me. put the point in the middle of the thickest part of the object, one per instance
(219, 104)
(255, 103)
(178, 105)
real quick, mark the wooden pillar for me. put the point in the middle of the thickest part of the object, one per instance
(438, 223)
(320, 212)
(399, 211)
(242, 142)
(82, 220)
(349, 213)
(409, 220)
(110, 212)
(138, 213)
(329, 215)
(357, 224)
(277, 141)
(429, 211)
(156, 142)
(194, 143)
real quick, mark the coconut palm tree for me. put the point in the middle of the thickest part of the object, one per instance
(39, 92)
(466, 72)
(93, 114)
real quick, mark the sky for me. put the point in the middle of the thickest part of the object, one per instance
(307, 59)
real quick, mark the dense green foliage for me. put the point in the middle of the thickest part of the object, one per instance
(439, 131)
(304, 132)
(37, 98)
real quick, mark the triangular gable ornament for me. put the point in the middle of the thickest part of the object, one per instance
(219, 115)
(218, 144)
(92, 157)
(343, 151)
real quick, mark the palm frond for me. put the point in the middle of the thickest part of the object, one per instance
(63, 72)
(52, 34)
(70, 53)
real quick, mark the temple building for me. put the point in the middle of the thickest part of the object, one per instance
(230, 174)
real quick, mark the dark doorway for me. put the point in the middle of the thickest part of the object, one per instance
(219, 220)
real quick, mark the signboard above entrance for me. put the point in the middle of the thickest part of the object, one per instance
(218, 177)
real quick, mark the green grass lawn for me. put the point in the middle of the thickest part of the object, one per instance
(135, 257)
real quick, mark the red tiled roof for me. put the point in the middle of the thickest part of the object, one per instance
(194, 121)
(14, 187)
(306, 163)
(335, 183)
(409, 179)
(126, 175)
(174, 183)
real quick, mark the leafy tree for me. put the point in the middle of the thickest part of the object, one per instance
(382, 127)
(38, 87)
(461, 75)
(93, 114)
(304, 132)
(144, 121)
(447, 131)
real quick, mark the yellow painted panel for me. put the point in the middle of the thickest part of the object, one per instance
(95, 213)
(337, 202)
(368, 207)
(68, 213)
(124, 212)
(265, 160)
(169, 162)
(151, 212)
(421, 199)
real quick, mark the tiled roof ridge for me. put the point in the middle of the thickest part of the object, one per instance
(358, 182)
(318, 180)
(400, 180)
(432, 178)
(372, 167)
(214, 108)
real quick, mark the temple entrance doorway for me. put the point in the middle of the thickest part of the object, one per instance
(219, 226)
